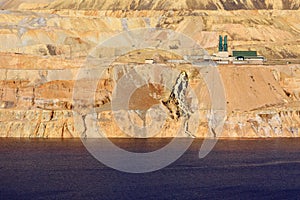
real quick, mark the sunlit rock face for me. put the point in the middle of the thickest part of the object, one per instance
(44, 44)
(261, 102)
(178, 98)
(153, 4)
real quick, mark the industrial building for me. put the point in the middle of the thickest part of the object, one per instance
(236, 56)
(221, 57)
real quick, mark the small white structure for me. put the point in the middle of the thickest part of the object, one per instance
(149, 61)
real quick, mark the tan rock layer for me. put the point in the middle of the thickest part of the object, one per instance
(152, 4)
(72, 34)
(41, 52)
(262, 101)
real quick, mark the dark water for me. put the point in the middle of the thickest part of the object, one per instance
(235, 169)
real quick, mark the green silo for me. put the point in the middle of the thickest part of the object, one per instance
(225, 43)
(220, 43)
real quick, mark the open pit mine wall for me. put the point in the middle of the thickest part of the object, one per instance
(43, 46)
(262, 101)
(153, 4)
(69, 34)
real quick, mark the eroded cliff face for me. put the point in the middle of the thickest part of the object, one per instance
(277, 88)
(69, 34)
(42, 51)
(153, 4)
(262, 101)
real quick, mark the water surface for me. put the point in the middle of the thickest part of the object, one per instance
(235, 169)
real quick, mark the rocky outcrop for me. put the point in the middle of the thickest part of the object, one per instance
(37, 123)
(271, 119)
(280, 122)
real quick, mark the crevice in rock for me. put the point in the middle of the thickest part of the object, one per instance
(33, 97)
(83, 134)
(176, 103)
(51, 115)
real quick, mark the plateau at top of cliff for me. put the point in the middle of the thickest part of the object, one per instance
(152, 4)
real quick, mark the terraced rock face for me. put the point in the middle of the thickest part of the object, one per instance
(44, 44)
(70, 34)
(154, 4)
(262, 101)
